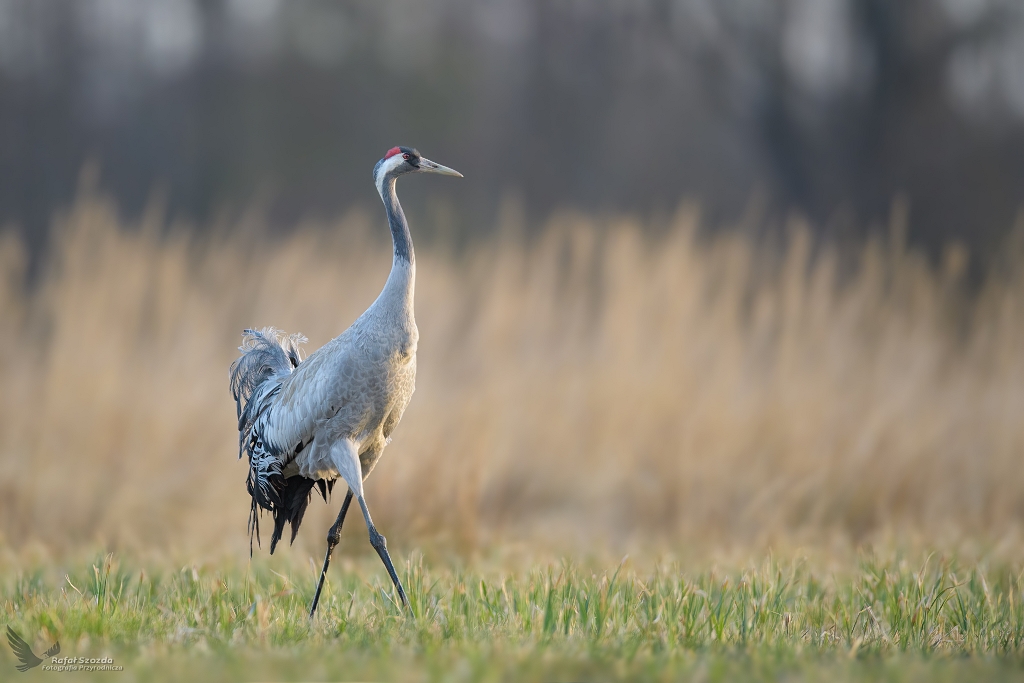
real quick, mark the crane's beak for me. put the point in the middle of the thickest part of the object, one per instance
(428, 166)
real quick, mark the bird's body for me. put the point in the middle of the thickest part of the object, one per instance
(356, 387)
(306, 423)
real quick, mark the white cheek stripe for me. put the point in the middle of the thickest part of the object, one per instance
(389, 165)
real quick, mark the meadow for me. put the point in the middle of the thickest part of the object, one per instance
(716, 405)
(883, 618)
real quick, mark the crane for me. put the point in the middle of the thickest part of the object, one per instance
(305, 423)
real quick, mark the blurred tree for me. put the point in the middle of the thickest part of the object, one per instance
(826, 105)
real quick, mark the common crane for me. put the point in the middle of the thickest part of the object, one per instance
(304, 423)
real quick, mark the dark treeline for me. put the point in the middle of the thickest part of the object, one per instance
(830, 107)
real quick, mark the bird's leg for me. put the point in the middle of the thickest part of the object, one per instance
(380, 544)
(333, 536)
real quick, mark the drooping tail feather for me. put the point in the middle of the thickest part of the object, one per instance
(295, 495)
(268, 356)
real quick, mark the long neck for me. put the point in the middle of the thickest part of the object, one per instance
(397, 296)
(400, 235)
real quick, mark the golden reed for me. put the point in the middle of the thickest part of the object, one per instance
(592, 383)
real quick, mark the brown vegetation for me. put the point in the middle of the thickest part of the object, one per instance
(594, 381)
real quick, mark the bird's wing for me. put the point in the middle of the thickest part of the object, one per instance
(22, 651)
(297, 405)
(54, 650)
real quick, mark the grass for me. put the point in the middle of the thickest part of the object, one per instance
(878, 617)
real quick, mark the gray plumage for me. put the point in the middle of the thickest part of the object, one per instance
(305, 423)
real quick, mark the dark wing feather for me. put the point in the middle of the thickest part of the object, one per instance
(22, 651)
(295, 498)
(53, 651)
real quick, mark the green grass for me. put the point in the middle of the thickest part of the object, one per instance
(873, 620)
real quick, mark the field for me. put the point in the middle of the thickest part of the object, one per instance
(811, 453)
(884, 618)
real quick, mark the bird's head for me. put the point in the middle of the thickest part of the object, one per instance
(401, 160)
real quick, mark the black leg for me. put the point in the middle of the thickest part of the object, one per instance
(333, 536)
(380, 544)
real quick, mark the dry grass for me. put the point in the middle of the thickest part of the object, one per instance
(592, 382)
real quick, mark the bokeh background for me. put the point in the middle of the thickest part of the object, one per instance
(744, 271)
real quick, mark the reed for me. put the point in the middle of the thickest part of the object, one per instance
(592, 384)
